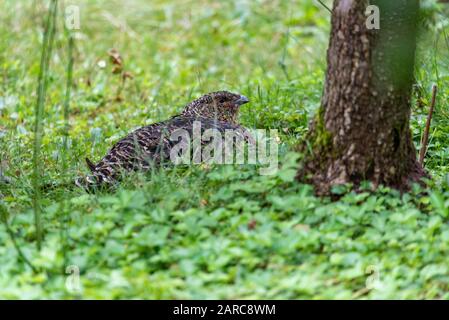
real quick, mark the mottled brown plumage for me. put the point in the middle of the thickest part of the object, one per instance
(151, 145)
(222, 105)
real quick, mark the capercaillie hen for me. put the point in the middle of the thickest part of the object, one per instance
(150, 145)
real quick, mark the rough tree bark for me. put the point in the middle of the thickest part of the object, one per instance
(361, 131)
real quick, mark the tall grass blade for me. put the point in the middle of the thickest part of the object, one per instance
(68, 92)
(49, 34)
(65, 151)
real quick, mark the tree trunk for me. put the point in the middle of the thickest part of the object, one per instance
(361, 132)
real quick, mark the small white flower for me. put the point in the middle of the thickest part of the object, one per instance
(101, 64)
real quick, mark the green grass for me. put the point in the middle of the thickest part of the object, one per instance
(200, 231)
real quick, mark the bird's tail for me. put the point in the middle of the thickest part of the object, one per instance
(90, 165)
(95, 181)
(90, 183)
(87, 182)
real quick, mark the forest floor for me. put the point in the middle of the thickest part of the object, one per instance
(205, 232)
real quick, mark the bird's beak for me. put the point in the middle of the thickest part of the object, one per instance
(242, 100)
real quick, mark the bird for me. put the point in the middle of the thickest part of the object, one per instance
(150, 146)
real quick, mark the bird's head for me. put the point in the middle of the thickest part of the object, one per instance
(220, 105)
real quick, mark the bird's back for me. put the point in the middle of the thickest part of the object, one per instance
(147, 147)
